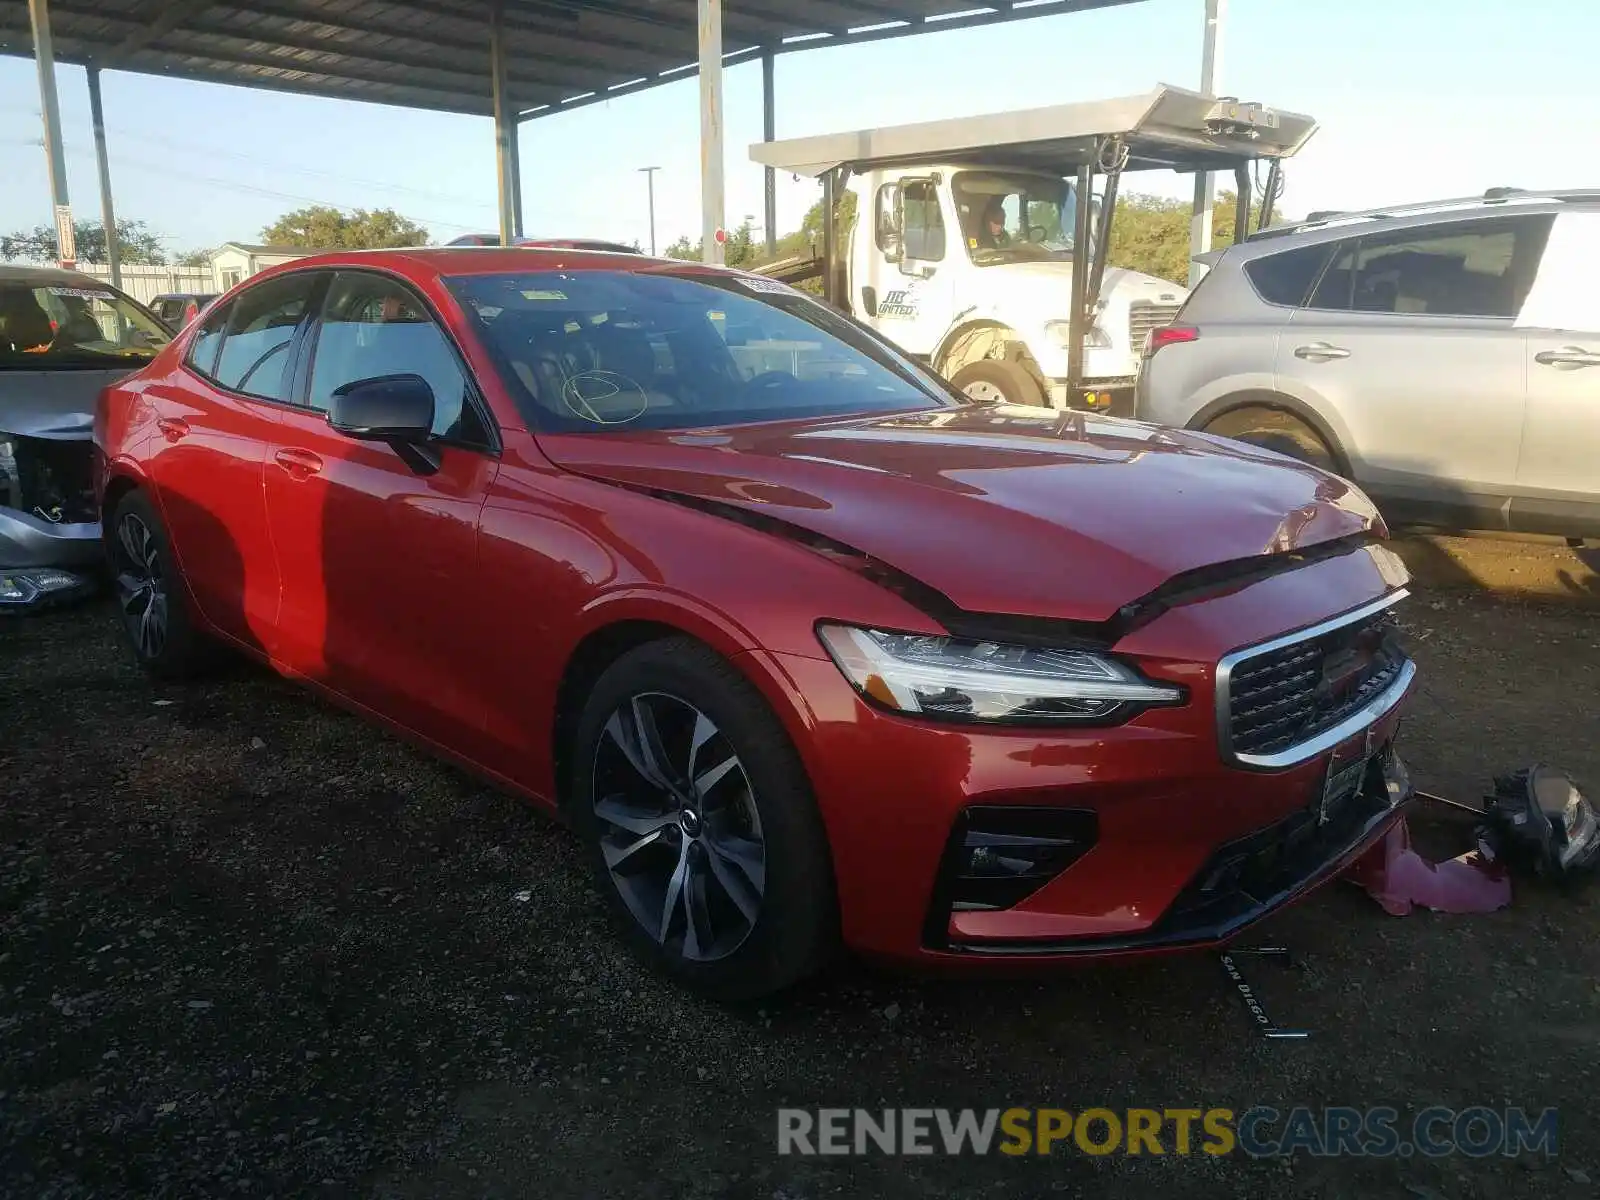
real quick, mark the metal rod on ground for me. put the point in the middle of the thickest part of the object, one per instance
(711, 197)
(1204, 184)
(108, 216)
(650, 186)
(769, 129)
(49, 106)
(504, 124)
(1078, 326)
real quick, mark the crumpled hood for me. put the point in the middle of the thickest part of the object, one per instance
(1019, 511)
(55, 404)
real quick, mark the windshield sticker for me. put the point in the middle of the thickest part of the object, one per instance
(86, 293)
(771, 287)
(539, 294)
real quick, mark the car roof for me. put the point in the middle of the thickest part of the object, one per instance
(48, 277)
(1498, 202)
(494, 260)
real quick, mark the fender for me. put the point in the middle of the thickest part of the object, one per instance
(1327, 426)
(965, 324)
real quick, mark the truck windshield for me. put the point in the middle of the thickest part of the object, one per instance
(1009, 217)
(52, 327)
(681, 348)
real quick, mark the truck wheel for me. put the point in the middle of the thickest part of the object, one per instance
(1281, 432)
(998, 381)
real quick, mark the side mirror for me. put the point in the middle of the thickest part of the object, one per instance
(892, 223)
(397, 409)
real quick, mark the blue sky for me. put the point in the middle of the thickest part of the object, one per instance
(1417, 99)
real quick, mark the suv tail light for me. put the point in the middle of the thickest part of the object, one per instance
(1169, 335)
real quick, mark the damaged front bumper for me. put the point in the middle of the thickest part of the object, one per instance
(45, 562)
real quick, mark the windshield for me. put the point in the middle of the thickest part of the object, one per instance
(1013, 216)
(50, 326)
(670, 349)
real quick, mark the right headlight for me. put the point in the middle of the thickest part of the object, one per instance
(955, 679)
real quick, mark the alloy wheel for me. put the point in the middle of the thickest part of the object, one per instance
(679, 829)
(141, 586)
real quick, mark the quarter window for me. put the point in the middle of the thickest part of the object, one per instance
(208, 340)
(256, 348)
(1481, 268)
(1286, 278)
(373, 326)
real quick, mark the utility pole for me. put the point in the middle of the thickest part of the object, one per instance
(1204, 182)
(650, 184)
(44, 55)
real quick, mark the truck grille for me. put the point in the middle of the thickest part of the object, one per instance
(1145, 315)
(1286, 694)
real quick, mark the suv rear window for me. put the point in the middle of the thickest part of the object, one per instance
(1286, 278)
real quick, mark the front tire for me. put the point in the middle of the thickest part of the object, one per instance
(700, 826)
(151, 597)
(998, 381)
(1278, 431)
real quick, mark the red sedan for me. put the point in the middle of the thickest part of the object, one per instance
(808, 649)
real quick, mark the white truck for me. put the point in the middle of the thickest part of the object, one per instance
(965, 242)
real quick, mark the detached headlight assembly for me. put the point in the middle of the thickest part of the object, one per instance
(956, 680)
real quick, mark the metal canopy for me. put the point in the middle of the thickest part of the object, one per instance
(434, 54)
(1166, 128)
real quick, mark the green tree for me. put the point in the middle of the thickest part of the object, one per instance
(1151, 233)
(136, 243)
(323, 227)
(195, 258)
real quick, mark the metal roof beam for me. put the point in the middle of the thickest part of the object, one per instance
(162, 18)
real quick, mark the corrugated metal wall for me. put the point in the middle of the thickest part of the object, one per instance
(144, 283)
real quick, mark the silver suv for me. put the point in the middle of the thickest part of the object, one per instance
(1446, 357)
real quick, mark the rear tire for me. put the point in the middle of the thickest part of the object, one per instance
(998, 380)
(1278, 431)
(700, 826)
(152, 599)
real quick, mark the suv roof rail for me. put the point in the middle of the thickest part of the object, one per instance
(1492, 196)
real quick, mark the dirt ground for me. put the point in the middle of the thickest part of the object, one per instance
(249, 946)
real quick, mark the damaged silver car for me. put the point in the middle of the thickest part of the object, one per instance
(63, 337)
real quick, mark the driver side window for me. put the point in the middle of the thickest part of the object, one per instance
(255, 349)
(924, 223)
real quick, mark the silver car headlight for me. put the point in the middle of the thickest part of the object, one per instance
(953, 679)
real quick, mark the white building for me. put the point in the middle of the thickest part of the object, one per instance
(234, 262)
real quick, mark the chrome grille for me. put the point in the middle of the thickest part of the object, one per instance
(1282, 697)
(1145, 315)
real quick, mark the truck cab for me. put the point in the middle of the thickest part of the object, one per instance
(969, 266)
(980, 246)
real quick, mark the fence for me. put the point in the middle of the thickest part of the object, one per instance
(145, 283)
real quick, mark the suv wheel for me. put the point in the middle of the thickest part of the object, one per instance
(1278, 431)
(701, 829)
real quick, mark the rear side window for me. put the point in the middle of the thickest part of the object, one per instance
(207, 341)
(1286, 278)
(255, 349)
(1481, 268)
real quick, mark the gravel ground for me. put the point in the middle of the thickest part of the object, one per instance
(250, 946)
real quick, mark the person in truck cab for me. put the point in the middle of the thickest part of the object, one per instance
(992, 234)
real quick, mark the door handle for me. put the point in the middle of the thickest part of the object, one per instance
(299, 463)
(1568, 358)
(1320, 352)
(172, 428)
